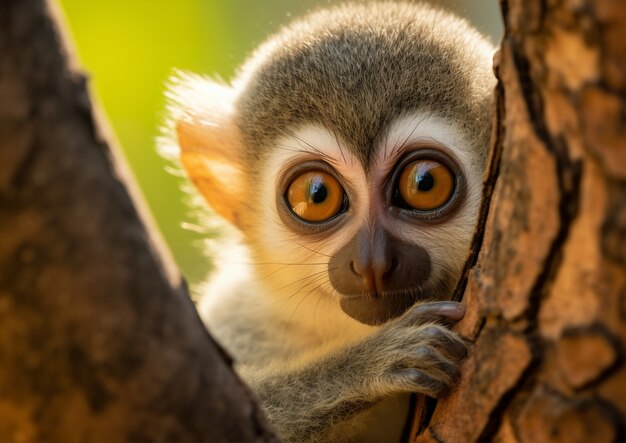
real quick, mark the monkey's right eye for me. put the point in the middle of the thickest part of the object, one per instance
(426, 185)
(315, 196)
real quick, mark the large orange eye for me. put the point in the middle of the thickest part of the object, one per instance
(426, 185)
(315, 196)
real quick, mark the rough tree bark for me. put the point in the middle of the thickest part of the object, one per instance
(547, 292)
(99, 341)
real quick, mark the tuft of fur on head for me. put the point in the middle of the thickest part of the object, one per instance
(353, 67)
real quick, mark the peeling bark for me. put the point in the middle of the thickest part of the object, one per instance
(99, 340)
(547, 292)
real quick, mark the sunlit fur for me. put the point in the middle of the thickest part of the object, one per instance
(319, 374)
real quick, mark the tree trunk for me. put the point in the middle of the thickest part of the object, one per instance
(99, 341)
(546, 295)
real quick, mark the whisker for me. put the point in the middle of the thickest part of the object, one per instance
(316, 274)
(312, 250)
(271, 263)
(292, 295)
(339, 145)
(397, 151)
(300, 302)
(325, 156)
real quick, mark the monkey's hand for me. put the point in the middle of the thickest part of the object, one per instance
(310, 399)
(415, 353)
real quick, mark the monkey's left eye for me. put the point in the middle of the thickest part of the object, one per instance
(315, 196)
(426, 185)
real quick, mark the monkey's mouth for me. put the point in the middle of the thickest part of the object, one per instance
(376, 308)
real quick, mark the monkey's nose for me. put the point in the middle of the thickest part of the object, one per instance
(374, 274)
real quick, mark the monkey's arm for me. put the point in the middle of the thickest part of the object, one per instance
(414, 353)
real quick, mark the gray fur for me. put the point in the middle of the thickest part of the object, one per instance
(315, 402)
(354, 67)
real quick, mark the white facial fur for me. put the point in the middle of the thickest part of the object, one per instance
(293, 267)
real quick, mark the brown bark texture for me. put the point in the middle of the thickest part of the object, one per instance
(546, 294)
(99, 340)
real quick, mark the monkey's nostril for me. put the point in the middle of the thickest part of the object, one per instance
(353, 268)
(393, 265)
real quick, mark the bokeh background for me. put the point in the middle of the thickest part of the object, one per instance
(129, 49)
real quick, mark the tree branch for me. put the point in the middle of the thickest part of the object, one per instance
(99, 341)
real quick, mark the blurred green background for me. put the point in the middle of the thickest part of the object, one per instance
(129, 49)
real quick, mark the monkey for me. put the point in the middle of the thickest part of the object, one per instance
(348, 154)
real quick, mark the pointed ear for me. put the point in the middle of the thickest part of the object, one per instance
(211, 150)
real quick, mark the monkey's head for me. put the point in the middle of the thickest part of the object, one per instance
(349, 151)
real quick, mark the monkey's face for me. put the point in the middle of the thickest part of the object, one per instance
(375, 237)
(349, 151)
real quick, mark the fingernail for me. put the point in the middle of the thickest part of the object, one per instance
(455, 311)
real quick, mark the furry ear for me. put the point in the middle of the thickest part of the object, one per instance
(211, 150)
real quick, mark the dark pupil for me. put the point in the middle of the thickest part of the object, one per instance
(425, 182)
(317, 192)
